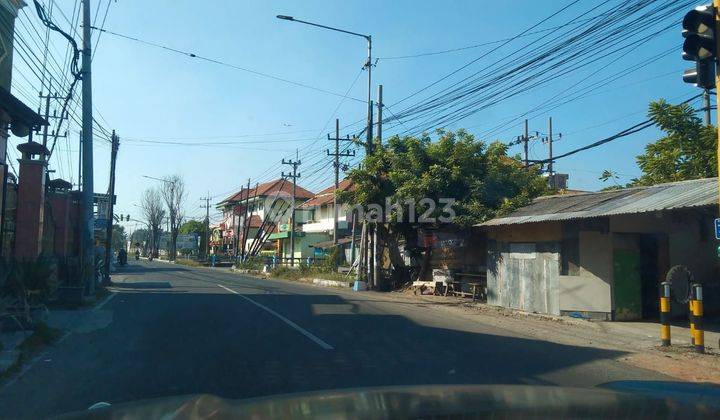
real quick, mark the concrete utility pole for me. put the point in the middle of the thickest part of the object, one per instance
(526, 140)
(380, 109)
(111, 191)
(207, 224)
(241, 246)
(375, 258)
(47, 112)
(706, 107)
(337, 155)
(294, 163)
(550, 162)
(87, 238)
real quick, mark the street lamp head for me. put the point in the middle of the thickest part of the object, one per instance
(283, 17)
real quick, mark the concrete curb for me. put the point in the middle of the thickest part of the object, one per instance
(331, 283)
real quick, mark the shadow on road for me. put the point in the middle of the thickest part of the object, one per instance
(176, 339)
(143, 285)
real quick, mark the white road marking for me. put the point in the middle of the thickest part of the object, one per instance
(298, 328)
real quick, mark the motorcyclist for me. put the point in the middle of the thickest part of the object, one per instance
(122, 256)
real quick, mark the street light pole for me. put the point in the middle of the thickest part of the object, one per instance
(368, 65)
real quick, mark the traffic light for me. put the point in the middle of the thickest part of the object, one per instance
(699, 33)
(702, 75)
(700, 46)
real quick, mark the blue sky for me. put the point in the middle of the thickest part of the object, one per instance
(147, 93)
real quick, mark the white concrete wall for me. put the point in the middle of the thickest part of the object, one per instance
(323, 219)
(591, 289)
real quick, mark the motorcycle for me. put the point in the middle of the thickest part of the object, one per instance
(122, 258)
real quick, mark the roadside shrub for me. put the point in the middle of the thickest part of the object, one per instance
(332, 261)
(31, 279)
(252, 263)
(286, 273)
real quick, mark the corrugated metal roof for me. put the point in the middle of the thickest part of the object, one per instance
(675, 195)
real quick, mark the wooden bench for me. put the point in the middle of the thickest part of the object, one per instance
(478, 289)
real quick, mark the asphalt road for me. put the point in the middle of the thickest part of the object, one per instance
(171, 330)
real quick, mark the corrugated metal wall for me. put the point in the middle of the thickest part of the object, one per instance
(524, 276)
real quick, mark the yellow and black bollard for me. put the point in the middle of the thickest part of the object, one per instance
(691, 316)
(699, 334)
(665, 313)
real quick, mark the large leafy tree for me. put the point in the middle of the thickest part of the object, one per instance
(482, 179)
(688, 150)
(192, 226)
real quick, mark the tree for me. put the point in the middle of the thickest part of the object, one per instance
(174, 195)
(152, 207)
(688, 150)
(193, 226)
(197, 227)
(119, 237)
(142, 237)
(483, 180)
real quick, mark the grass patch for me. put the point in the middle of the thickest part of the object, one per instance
(304, 271)
(188, 262)
(286, 273)
(43, 335)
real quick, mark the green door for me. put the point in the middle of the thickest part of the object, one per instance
(627, 287)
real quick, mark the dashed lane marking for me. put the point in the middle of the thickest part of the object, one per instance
(295, 326)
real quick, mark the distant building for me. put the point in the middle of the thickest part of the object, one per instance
(233, 221)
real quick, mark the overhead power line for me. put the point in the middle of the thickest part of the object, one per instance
(225, 64)
(624, 133)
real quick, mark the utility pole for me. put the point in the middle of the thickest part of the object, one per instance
(379, 118)
(294, 163)
(47, 112)
(111, 192)
(706, 107)
(526, 140)
(375, 263)
(241, 246)
(88, 236)
(550, 162)
(207, 225)
(54, 116)
(337, 155)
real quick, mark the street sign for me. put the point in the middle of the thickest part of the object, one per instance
(717, 229)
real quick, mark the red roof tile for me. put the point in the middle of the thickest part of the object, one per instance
(268, 188)
(325, 196)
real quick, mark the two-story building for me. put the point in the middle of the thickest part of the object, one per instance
(260, 218)
(315, 220)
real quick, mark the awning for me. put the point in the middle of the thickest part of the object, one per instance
(330, 244)
(19, 112)
(285, 235)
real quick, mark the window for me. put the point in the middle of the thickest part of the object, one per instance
(570, 256)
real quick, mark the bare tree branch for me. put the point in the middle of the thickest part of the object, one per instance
(174, 194)
(152, 207)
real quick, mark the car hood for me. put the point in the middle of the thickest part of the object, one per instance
(429, 401)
